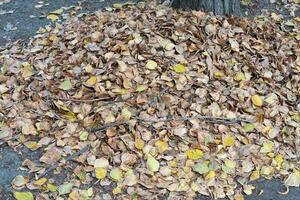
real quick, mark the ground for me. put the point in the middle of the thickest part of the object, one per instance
(19, 25)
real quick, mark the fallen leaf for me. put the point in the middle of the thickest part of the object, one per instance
(179, 68)
(151, 64)
(257, 100)
(100, 173)
(23, 196)
(152, 164)
(66, 85)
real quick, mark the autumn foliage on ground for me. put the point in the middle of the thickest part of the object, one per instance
(165, 103)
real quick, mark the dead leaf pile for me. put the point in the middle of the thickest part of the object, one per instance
(150, 63)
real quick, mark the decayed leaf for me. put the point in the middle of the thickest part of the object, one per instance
(23, 196)
(293, 179)
(20, 181)
(27, 70)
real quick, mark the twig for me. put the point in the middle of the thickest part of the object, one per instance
(214, 120)
(68, 158)
(81, 100)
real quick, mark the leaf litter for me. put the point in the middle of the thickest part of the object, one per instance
(152, 101)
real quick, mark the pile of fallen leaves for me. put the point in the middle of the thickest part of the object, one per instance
(156, 103)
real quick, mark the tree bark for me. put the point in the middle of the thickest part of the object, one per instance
(219, 7)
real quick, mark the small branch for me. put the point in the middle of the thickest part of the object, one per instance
(81, 100)
(68, 158)
(214, 120)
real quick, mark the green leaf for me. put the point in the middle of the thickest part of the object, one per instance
(151, 64)
(65, 188)
(116, 174)
(201, 168)
(23, 196)
(179, 68)
(66, 85)
(152, 164)
(249, 127)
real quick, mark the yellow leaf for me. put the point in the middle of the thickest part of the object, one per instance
(52, 17)
(279, 160)
(126, 114)
(69, 115)
(266, 170)
(228, 141)
(257, 100)
(267, 147)
(27, 70)
(161, 146)
(139, 144)
(151, 64)
(89, 68)
(240, 76)
(23, 195)
(179, 68)
(117, 5)
(239, 197)
(32, 145)
(74, 195)
(40, 181)
(255, 175)
(58, 11)
(100, 173)
(110, 119)
(66, 85)
(218, 74)
(116, 190)
(210, 175)
(51, 187)
(194, 154)
(141, 88)
(91, 81)
(83, 135)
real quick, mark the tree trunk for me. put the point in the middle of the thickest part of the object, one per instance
(219, 7)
